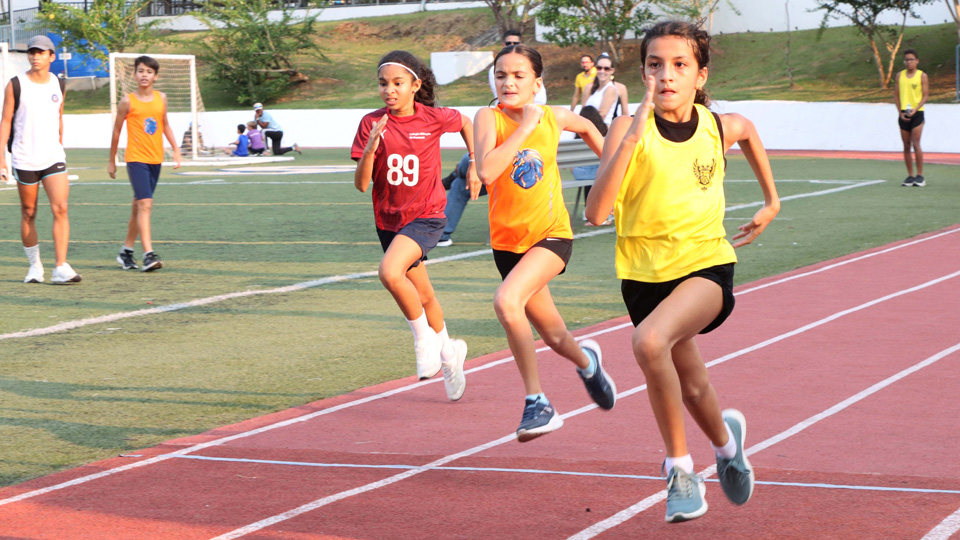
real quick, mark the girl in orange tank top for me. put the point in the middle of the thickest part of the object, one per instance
(516, 152)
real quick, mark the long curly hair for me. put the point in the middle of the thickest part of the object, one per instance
(428, 82)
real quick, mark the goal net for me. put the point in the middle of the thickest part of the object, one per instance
(6, 72)
(178, 80)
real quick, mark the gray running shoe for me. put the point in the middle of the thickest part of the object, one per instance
(684, 496)
(736, 475)
(151, 262)
(908, 181)
(918, 181)
(125, 258)
(600, 386)
(539, 418)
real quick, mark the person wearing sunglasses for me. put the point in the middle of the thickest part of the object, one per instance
(511, 38)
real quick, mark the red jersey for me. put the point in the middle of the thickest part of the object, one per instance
(406, 167)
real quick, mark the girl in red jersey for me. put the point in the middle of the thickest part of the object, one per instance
(397, 148)
(530, 229)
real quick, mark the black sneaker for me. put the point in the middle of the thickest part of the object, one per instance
(125, 258)
(600, 387)
(908, 181)
(539, 418)
(918, 181)
(151, 262)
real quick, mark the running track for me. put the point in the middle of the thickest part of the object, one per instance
(847, 372)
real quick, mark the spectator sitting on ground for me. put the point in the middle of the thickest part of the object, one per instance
(242, 143)
(257, 147)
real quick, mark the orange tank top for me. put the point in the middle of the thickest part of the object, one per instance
(145, 130)
(526, 201)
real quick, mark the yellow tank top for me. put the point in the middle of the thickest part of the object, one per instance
(145, 130)
(669, 211)
(911, 90)
(526, 201)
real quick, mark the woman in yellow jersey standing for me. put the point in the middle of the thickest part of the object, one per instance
(911, 92)
(145, 112)
(662, 174)
(516, 152)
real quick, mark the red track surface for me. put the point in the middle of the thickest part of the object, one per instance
(929, 158)
(798, 346)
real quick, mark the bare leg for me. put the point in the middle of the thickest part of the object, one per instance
(144, 209)
(58, 191)
(670, 380)
(403, 252)
(512, 303)
(427, 297)
(917, 151)
(905, 137)
(132, 229)
(28, 213)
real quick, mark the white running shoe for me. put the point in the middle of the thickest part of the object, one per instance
(453, 379)
(34, 275)
(65, 274)
(428, 357)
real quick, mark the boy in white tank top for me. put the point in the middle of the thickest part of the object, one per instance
(38, 156)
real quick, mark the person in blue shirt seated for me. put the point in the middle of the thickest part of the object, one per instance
(242, 143)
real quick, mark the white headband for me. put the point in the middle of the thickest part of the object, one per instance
(415, 76)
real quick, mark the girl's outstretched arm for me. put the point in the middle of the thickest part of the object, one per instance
(364, 172)
(574, 123)
(622, 138)
(492, 160)
(737, 129)
(473, 181)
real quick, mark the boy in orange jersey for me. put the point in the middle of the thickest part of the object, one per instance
(145, 112)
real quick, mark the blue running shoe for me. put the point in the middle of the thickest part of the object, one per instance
(736, 474)
(600, 386)
(539, 418)
(684, 496)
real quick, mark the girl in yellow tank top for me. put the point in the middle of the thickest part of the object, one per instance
(516, 153)
(663, 175)
(911, 91)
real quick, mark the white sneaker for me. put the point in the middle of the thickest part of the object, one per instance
(65, 274)
(453, 379)
(34, 275)
(428, 357)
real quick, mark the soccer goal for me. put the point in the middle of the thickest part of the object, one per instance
(178, 80)
(6, 72)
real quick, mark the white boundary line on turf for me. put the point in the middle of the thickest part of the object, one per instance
(626, 514)
(284, 423)
(72, 325)
(253, 527)
(549, 472)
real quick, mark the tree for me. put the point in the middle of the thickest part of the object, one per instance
(514, 14)
(251, 44)
(107, 24)
(865, 15)
(693, 10)
(584, 22)
(954, 7)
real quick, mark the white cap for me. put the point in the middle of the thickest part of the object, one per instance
(257, 106)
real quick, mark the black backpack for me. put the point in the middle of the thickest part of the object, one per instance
(16, 103)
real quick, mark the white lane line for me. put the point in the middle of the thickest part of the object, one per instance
(628, 513)
(549, 472)
(639, 507)
(79, 323)
(945, 529)
(849, 261)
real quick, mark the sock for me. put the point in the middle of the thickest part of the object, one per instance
(541, 396)
(421, 328)
(592, 368)
(728, 450)
(145, 253)
(33, 255)
(684, 462)
(447, 352)
(126, 249)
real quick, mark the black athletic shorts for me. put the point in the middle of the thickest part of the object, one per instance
(642, 297)
(915, 120)
(29, 178)
(506, 260)
(425, 232)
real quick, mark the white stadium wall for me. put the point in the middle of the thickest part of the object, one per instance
(450, 66)
(783, 125)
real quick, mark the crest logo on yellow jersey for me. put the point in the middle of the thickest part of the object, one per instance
(704, 173)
